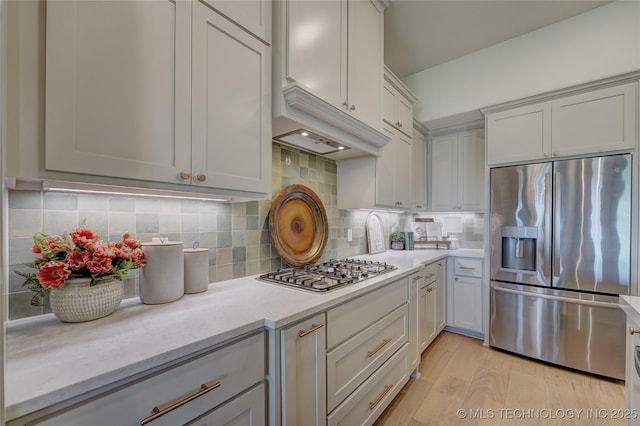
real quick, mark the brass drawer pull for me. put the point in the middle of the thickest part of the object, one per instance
(384, 343)
(468, 268)
(417, 277)
(159, 413)
(633, 331)
(430, 289)
(375, 403)
(430, 275)
(313, 328)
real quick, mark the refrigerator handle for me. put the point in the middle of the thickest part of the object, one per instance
(547, 226)
(556, 249)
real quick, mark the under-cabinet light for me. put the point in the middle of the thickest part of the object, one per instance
(98, 189)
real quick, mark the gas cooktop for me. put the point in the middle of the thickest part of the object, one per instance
(325, 276)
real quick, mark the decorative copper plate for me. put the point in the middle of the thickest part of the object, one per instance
(298, 225)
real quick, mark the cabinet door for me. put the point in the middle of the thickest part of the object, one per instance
(303, 366)
(118, 84)
(444, 173)
(467, 303)
(415, 283)
(427, 314)
(385, 171)
(246, 410)
(231, 105)
(365, 65)
(519, 134)
(419, 154)
(404, 114)
(389, 100)
(594, 122)
(403, 171)
(471, 170)
(317, 47)
(441, 308)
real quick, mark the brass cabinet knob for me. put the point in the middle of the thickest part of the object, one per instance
(555, 153)
(633, 331)
(185, 175)
(352, 108)
(201, 177)
(546, 154)
(398, 124)
(345, 104)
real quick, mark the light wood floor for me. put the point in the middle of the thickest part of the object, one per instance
(492, 387)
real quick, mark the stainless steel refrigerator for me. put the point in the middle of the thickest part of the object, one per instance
(560, 257)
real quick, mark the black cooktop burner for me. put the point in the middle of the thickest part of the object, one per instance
(322, 277)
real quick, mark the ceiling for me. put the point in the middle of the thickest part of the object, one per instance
(420, 34)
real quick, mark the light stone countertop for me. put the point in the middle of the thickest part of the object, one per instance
(49, 361)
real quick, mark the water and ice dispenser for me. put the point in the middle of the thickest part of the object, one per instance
(519, 247)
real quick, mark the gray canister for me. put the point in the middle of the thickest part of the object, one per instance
(196, 270)
(162, 278)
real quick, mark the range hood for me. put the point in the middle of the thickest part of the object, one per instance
(329, 131)
(309, 141)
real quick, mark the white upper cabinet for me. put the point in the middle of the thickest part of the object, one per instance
(397, 103)
(598, 121)
(334, 50)
(519, 134)
(118, 96)
(419, 158)
(457, 171)
(231, 141)
(592, 122)
(365, 61)
(165, 92)
(385, 181)
(317, 48)
(328, 64)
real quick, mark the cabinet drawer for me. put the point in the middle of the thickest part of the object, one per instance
(430, 273)
(351, 363)
(235, 367)
(346, 320)
(246, 410)
(468, 267)
(367, 403)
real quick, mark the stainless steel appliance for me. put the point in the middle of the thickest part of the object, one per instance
(325, 276)
(560, 256)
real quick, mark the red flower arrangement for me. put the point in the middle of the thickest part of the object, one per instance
(80, 254)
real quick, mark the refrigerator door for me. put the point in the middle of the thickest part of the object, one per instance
(592, 224)
(521, 198)
(577, 330)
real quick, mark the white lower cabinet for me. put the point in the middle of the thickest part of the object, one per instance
(427, 314)
(179, 394)
(465, 286)
(353, 361)
(303, 372)
(441, 303)
(365, 406)
(428, 308)
(368, 358)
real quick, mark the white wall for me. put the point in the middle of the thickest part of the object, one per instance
(597, 44)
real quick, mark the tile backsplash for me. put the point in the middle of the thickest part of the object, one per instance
(237, 235)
